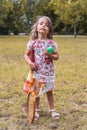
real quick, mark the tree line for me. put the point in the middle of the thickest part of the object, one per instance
(68, 16)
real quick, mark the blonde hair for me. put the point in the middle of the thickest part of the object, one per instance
(34, 33)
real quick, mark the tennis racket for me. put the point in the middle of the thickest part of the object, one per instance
(31, 107)
(31, 97)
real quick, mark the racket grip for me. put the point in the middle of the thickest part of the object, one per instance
(31, 76)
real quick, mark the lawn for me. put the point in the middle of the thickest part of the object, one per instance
(70, 85)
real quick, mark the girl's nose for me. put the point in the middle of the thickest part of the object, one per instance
(43, 24)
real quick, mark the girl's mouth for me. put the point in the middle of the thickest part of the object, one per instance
(42, 28)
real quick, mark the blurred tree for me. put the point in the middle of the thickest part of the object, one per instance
(5, 5)
(30, 12)
(16, 19)
(70, 11)
(19, 15)
(12, 16)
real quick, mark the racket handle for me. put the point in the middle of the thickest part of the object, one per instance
(31, 76)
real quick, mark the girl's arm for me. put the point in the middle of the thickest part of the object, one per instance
(33, 66)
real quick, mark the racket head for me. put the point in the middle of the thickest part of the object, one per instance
(31, 107)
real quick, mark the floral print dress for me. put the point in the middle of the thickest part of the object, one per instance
(45, 72)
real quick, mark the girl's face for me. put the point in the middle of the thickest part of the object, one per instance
(43, 26)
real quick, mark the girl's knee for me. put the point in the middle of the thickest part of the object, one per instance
(50, 92)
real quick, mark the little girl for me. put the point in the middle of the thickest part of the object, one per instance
(42, 67)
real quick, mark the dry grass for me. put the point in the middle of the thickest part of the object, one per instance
(70, 91)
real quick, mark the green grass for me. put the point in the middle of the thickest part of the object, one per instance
(70, 86)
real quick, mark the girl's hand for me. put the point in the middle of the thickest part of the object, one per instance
(53, 56)
(33, 66)
(48, 54)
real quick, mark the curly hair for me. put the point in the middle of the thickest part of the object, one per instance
(34, 33)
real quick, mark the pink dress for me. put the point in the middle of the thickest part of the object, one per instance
(45, 72)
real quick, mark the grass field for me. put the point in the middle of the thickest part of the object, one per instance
(70, 86)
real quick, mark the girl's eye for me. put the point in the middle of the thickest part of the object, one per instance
(41, 23)
(47, 25)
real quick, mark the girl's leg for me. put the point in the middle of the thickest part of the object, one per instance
(37, 103)
(37, 108)
(50, 98)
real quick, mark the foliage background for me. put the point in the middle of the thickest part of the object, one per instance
(68, 16)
